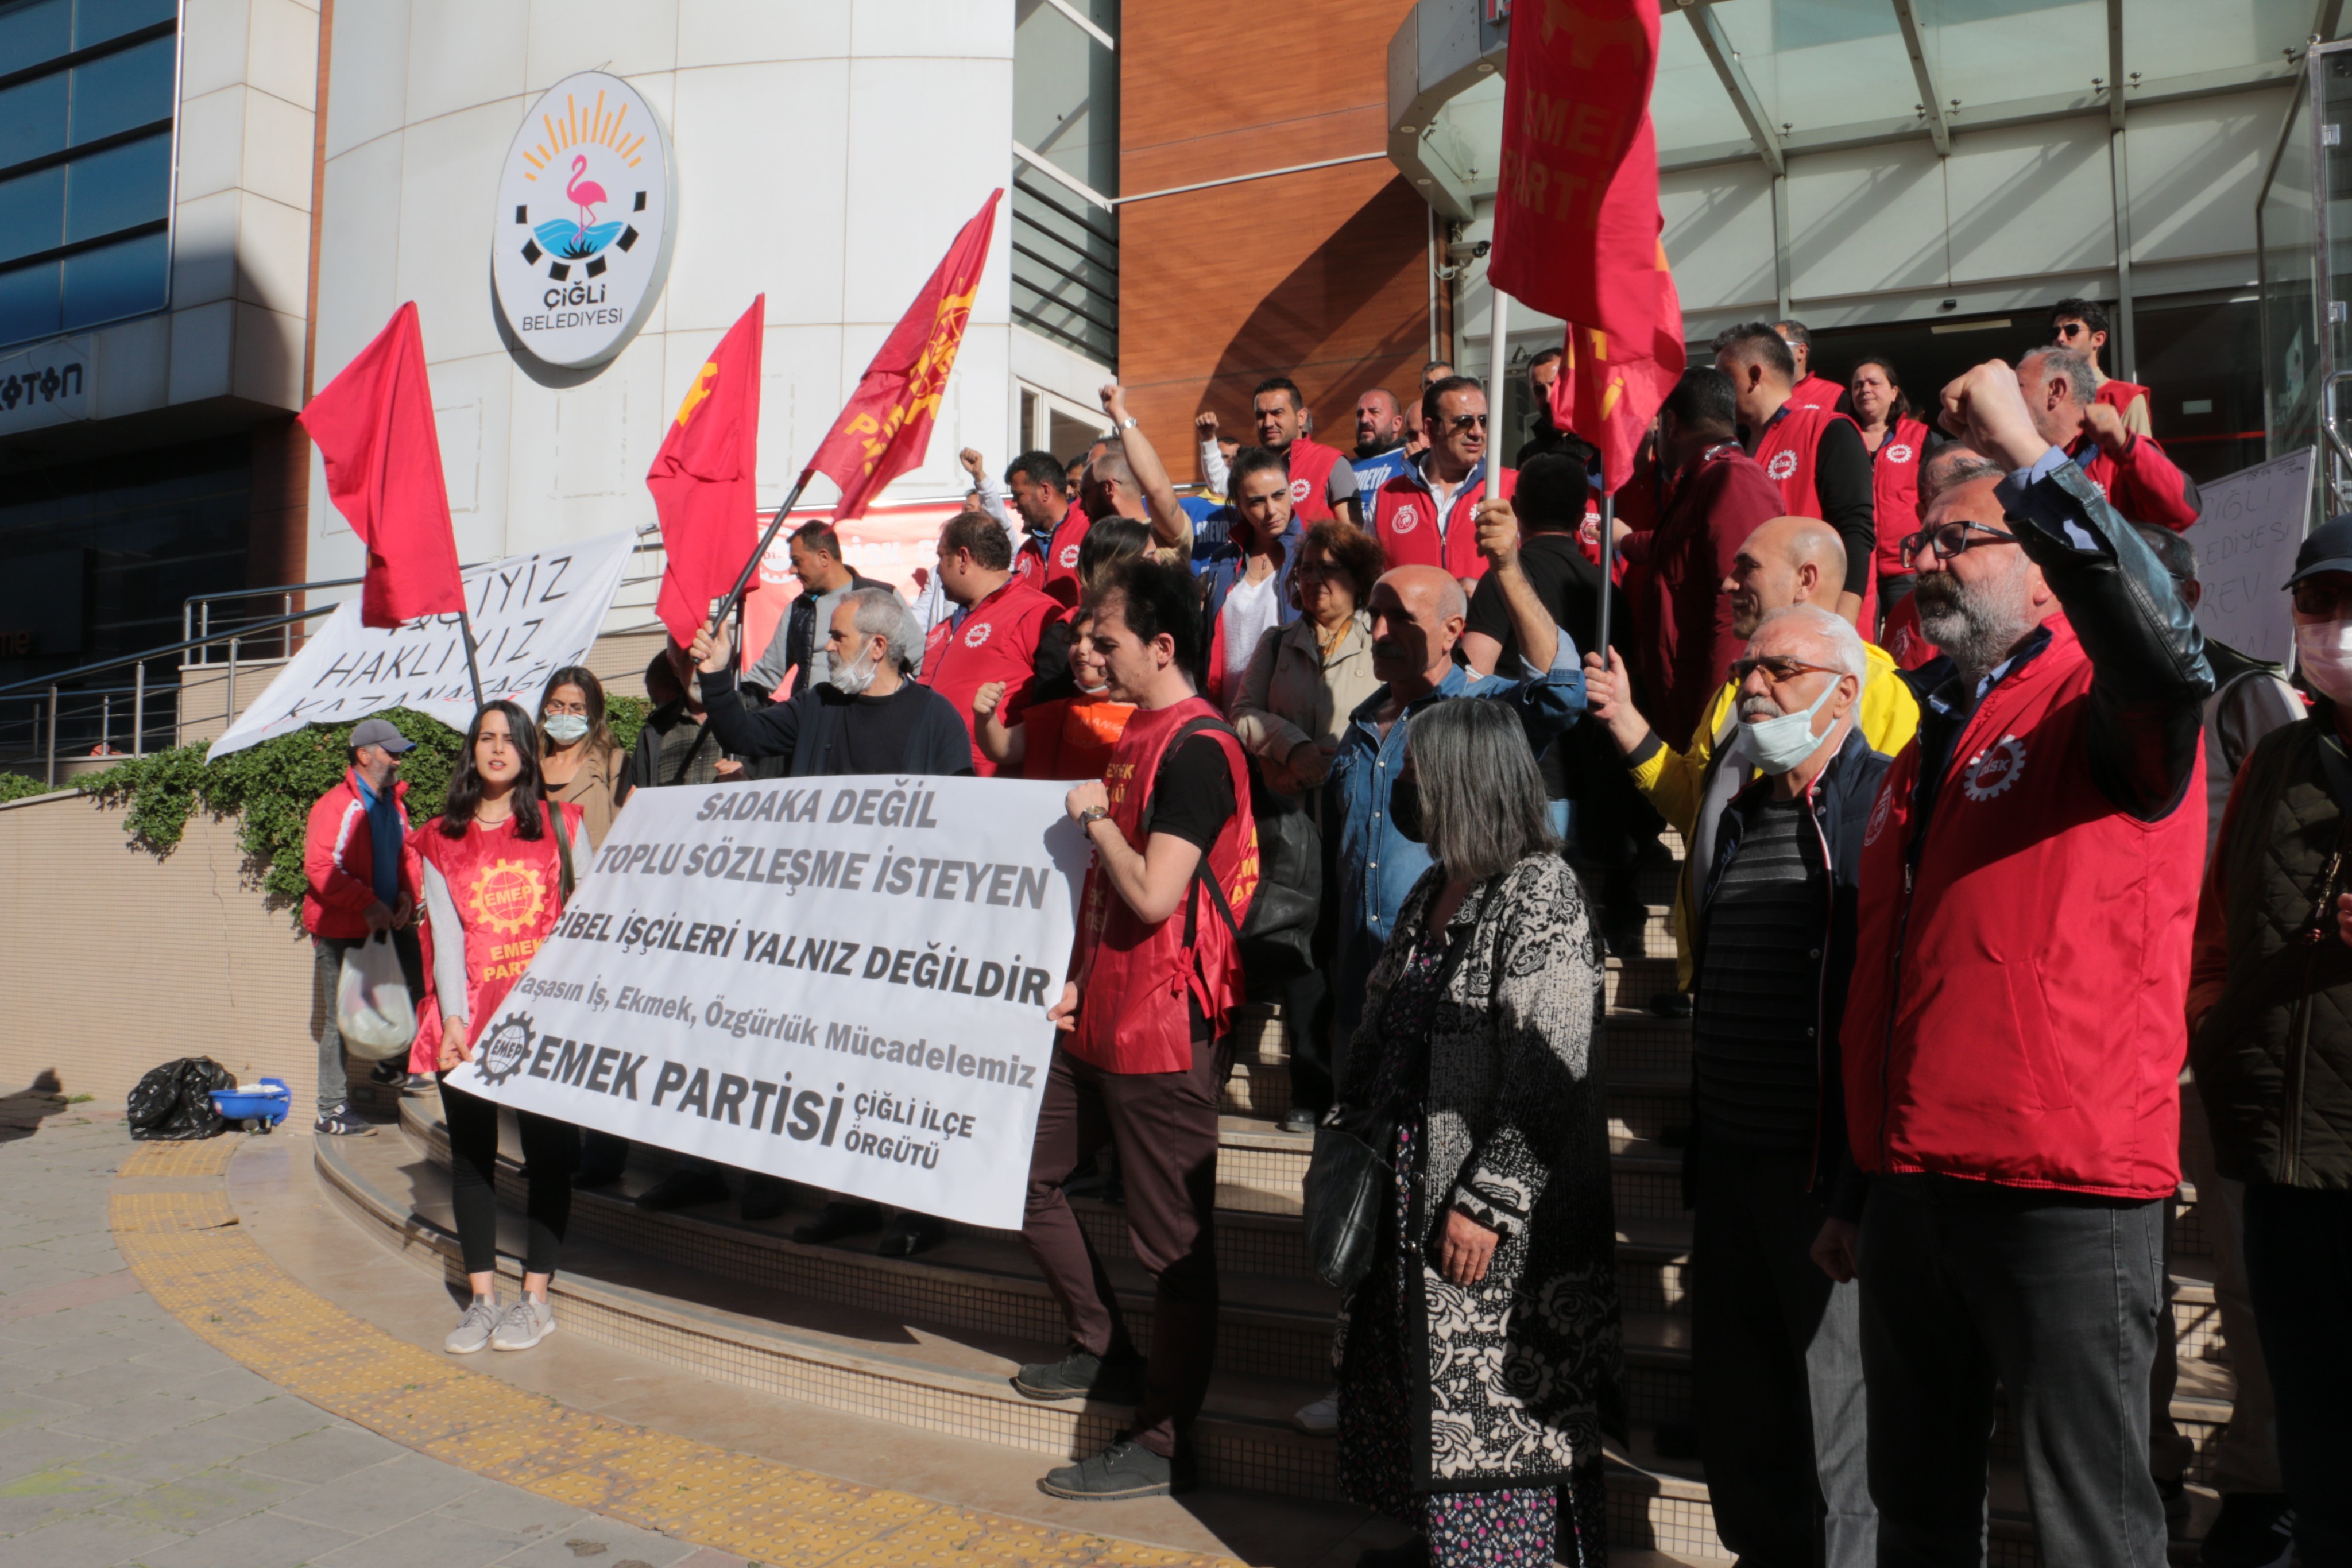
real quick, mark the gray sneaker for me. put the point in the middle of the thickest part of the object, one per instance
(523, 1324)
(473, 1330)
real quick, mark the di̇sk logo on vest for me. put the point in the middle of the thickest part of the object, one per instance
(1899, 452)
(1069, 555)
(580, 241)
(1299, 490)
(1406, 517)
(977, 635)
(1782, 466)
(1992, 771)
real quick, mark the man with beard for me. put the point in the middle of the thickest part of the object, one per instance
(1322, 482)
(1380, 440)
(2014, 1031)
(869, 715)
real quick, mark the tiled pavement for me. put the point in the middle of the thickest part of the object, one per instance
(125, 1439)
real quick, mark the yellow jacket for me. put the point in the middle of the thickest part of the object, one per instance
(1676, 781)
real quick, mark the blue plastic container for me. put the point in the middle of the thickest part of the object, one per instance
(267, 1104)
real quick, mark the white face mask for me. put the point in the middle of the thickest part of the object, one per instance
(852, 678)
(564, 729)
(2323, 650)
(1782, 742)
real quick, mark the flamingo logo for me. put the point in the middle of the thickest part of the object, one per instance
(582, 194)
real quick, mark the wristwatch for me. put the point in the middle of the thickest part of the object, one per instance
(1127, 423)
(1090, 816)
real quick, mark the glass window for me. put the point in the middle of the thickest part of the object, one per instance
(117, 280)
(32, 32)
(95, 21)
(120, 188)
(2289, 242)
(32, 214)
(32, 120)
(28, 302)
(119, 91)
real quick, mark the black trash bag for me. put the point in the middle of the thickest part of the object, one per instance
(176, 1100)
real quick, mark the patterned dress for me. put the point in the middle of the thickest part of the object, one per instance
(1503, 1527)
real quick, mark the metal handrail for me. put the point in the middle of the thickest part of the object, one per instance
(189, 606)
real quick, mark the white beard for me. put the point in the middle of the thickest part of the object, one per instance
(852, 679)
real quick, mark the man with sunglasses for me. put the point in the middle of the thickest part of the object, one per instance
(2013, 1036)
(2081, 325)
(2130, 470)
(1423, 515)
(1815, 456)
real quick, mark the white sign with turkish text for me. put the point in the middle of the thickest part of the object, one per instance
(532, 614)
(842, 981)
(2253, 525)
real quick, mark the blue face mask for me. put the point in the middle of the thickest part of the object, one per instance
(565, 728)
(1780, 743)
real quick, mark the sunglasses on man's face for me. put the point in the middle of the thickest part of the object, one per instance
(1464, 421)
(2067, 329)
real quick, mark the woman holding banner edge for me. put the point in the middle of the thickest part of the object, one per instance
(495, 881)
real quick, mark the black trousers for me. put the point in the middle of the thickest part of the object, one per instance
(549, 1149)
(2299, 1267)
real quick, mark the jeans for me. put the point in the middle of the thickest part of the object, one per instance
(2299, 1264)
(326, 970)
(1776, 1366)
(2056, 1296)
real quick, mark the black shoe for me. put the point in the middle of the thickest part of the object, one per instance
(840, 1217)
(910, 1233)
(1113, 1379)
(1622, 930)
(390, 1072)
(1671, 1004)
(418, 1083)
(1414, 1553)
(1125, 1469)
(2253, 1529)
(1299, 1119)
(764, 1197)
(682, 1189)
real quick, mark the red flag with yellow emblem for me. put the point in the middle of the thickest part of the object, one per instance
(703, 478)
(888, 424)
(1576, 214)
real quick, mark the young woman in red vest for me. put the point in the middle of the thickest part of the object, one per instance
(494, 876)
(1897, 443)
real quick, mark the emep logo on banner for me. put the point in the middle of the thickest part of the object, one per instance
(580, 242)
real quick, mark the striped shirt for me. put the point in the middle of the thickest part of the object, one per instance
(1752, 1048)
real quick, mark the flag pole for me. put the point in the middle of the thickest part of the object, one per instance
(1608, 566)
(1495, 369)
(473, 663)
(742, 578)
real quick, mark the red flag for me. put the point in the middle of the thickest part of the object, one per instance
(888, 424)
(703, 477)
(373, 425)
(1576, 214)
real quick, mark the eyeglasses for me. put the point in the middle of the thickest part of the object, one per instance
(2320, 600)
(559, 706)
(1464, 421)
(2067, 329)
(1778, 668)
(1951, 539)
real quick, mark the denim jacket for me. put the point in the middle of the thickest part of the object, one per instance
(1376, 866)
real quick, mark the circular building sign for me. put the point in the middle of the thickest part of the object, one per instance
(580, 244)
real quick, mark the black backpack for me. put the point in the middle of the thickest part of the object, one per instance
(176, 1100)
(1290, 896)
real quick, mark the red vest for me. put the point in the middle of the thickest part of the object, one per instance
(997, 640)
(1895, 503)
(1061, 579)
(508, 893)
(1310, 478)
(1815, 391)
(1404, 515)
(1136, 981)
(1788, 449)
(2015, 1014)
(2120, 395)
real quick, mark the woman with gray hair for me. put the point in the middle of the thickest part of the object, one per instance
(867, 716)
(1479, 1357)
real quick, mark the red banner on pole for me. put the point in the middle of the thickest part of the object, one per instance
(373, 425)
(703, 478)
(1576, 214)
(887, 427)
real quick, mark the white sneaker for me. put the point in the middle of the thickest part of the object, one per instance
(1320, 1420)
(524, 1324)
(474, 1330)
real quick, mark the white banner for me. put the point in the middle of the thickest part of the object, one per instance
(841, 981)
(532, 615)
(2253, 523)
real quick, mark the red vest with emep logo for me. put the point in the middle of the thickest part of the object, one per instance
(1310, 478)
(2015, 1014)
(1404, 515)
(1787, 452)
(1061, 578)
(1894, 504)
(997, 640)
(1137, 981)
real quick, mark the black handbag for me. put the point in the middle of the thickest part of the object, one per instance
(1350, 1184)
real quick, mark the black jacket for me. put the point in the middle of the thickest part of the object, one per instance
(1840, 800)
(806, 735)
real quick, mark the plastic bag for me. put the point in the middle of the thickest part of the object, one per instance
(176, 1100)
(372, 1011)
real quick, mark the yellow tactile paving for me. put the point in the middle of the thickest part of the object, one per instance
(193, 1258)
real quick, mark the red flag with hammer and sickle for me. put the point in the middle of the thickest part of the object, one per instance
(1576, 214)
(704, 475)
(888, 424)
